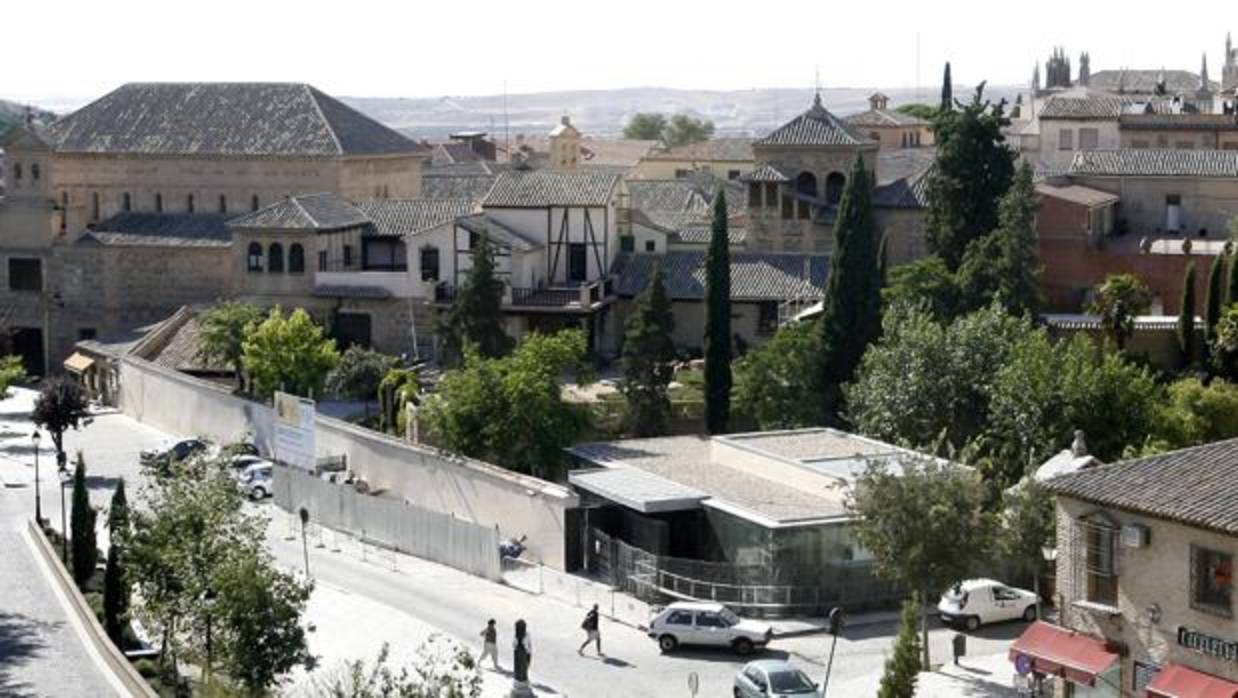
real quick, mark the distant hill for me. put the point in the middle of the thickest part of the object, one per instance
(12, 113)
(603, 113)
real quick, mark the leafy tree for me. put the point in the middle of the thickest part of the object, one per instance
(972, 173)
(61, 406)
(224, 327)
(648, 353)
(396, 390)
(85, 550)
(1004, 266)
(443, 669)
(510, 411)
(771, 384)
(851, 315)
(925, 283)
(718, 322)
(1028, 525)
(289, 354)
(1118, 300)
(1186, 317)
(924, 526)
(11, 371)
(116, 587)
(947, 91)
(476, 313)
(1194, 413)
(359, 373)
(645, 126)
(685, 130)
(902, 668)
(919, 110)
(1212, 305)
(1225, 345)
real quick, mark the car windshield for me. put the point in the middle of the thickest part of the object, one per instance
(789, 681)
(728, 616)
(955, 593)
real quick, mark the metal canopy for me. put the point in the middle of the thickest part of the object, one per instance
(637, 489)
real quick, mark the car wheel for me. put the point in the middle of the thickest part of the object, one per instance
(743, 647)
(258, 494)
(971, 623)
(667, 643)
(1029, 614)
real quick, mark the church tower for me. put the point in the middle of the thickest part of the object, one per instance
(564, 145)
(1203, 96)
(1085, 68)
(1229, 71)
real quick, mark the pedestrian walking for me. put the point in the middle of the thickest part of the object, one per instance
(590, 626)
(490, 644)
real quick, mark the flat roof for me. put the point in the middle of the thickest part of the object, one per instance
(809, 444)
(637, 489)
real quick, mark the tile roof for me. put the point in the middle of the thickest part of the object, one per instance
(412, 216)
(817, 126)
(666, 195)
(1155, 163)
(321, 212)
(502, 234)
(1178, 122)
(754, 276)
(1088, 107)
(162, 230)
(1144, 81)
(540, 189)
(249, 119)
(473, 187)
(715, 149)
(700, 234)
(908, 192)
(1195, 486)
(475, 168)
(880, 118)
(765, 173)
(454, 152)
(620, 152)
(901, 163)
(1078, 194)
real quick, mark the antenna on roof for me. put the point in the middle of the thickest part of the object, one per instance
(507, 133)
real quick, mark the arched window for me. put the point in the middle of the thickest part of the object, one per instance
(223, 204)
(275, 257)
(189, 203)
(127, 202)
(255, 257)
(806, 184)
(429, 263)
(34, 171)
(296, 259)
(834, 187)
(253, 203)
(158, 203)
(16, 171)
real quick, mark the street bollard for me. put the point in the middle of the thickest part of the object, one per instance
(959, 646)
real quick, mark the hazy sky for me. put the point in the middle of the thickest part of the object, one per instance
(79, 49)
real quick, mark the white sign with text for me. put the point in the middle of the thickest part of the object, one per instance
(294, 431)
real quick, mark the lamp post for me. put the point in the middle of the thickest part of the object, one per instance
(65, 477)
(838, 619)
(304, 542)
(38, 502)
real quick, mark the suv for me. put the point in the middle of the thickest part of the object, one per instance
(976, 601)
(708, 625)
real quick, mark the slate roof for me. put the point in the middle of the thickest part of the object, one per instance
(504, 235)
(1140, 162)
(883, 118)
(319, 212)
(1194, 486)
(456, 187)
(1144, 81)
(1178, 122)
(714, 149)
(754, 276)
(162, 230)
(412, 216)
(539, 189)
(765, 173)
(247, 119)
(817, 126)
(1088, 107)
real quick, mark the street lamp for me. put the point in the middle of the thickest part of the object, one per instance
(65, 477)
(837, 620)
(38, 502)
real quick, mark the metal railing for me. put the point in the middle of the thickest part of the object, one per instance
(740, 597)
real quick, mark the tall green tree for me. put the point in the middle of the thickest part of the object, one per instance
(648, 356)
(1194, 413)
(851, 315)
(972, 173)
(223, 330)
(290, 353)
(770, 382)
(1213, 303)
(1028, 526)
(1231, 294)
(1004, 266)
(645, 126)
(116, 587)
(396, 391)
(358, 374)
(1186, 318)
(476, 313)
(1225, 346)
(1118, 300)
(902, 668)
(61, 406)
(925, 283)
(686, 130)
(923, 522)
(919, 110)
(85, 550)
(718, 322)
(947, 91)
(883, 261)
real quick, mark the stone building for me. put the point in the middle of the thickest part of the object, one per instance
(724, 158)
(1145, 587)
(892, 129)
(114, 214)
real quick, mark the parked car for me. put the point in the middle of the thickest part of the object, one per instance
(974, 602)
(237, 465)
(256, 481)
(773, 678)
(177, 451)
(707, 625)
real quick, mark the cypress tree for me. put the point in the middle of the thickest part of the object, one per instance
(1232, 296)
(85, 552)
(902, 668)
(1004, 265)
(1186, 317)
(115, 583)
(851, 315)
(883, 260)
(947, 90)
(718, 323)
(1212, 306)
(648, 351)
(476, 313)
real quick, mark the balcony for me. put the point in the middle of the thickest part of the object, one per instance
(583, 298)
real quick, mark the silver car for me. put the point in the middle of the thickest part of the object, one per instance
(255, 481)
(707, 625)
(773, 678)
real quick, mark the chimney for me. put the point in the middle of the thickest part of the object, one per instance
(1079, 447)
(565, 120)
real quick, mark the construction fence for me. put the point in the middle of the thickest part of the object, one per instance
(577, 591)
(390, 523)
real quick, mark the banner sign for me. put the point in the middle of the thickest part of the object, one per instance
(294, 431)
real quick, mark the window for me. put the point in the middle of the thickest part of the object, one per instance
(767, 317)
(253, 203)
(429, 263)
(17, 171)
(322, 260)
(733, 174)
(681, 174)
(806, 184)
(347, 255)
(650, 246)
(296, 258)
(771, 194)
(25, 274)
(679, 618)
(223, 204)
(577, 262)
(1089, 139)
(754, 194)
(710, 620)
(84, 333)
(1004, 594)
(94, 206)
(34, 171)
(627, 243)
(275, 257)
(1099, 542)
(158, 203)
(255, 257)
(1212, 581)
(1139, 144)
(834, 185)
(126, 202)
(1065, 139)
(189, 203)
(383, 254)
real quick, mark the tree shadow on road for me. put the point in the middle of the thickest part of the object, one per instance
(20, 640)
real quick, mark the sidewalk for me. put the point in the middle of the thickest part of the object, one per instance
(990, 676)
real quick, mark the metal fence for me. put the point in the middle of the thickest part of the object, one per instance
(577, 591)
(391, 523)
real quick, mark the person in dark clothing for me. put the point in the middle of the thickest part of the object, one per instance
(590, 626)
(522, 651)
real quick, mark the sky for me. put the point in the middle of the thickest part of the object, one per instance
(415, 48)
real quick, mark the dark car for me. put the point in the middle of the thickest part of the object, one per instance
(177, 452)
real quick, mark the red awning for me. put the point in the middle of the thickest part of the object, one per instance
(1176, 681)
(1060, 652)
